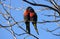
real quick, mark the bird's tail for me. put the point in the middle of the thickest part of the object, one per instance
(35, 26)
(28, 27)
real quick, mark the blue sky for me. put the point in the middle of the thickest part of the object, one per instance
(18, 16)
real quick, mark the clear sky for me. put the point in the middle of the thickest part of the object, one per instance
(18, 16)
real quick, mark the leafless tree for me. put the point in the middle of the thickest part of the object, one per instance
(8, 17)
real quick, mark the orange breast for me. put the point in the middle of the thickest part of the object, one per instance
(31, 14)
(26, 13)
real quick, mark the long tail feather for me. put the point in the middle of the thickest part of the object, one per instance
(27, 27)
(35, 26)
(36, 29)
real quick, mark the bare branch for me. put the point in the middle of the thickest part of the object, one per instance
(54, 3)
(20, 34)
(10, 7)
(42, 6)
(18, 24)
(51, 31)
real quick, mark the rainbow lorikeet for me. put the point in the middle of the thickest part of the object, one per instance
(30, 15)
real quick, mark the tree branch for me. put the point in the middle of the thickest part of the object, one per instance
(41, 5)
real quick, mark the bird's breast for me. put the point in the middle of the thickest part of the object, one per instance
(26, 13)
(31, 15)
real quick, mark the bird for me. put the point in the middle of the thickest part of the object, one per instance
(30, 15)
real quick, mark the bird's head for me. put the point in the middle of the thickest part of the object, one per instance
(30, 9)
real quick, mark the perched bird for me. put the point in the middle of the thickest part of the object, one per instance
(30, 15)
